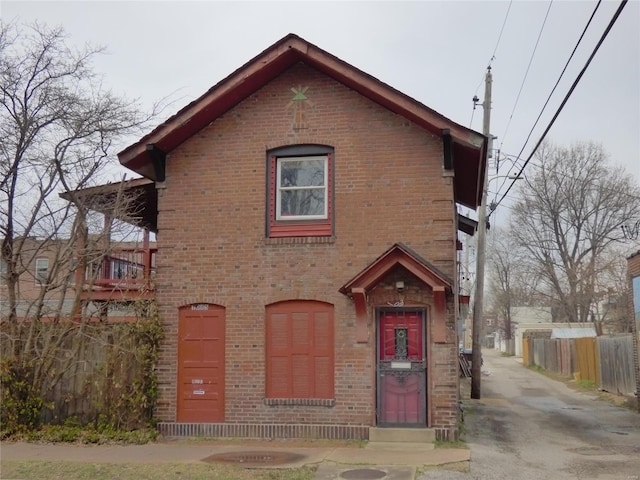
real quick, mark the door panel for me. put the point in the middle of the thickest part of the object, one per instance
(401, 369)
(201, 367)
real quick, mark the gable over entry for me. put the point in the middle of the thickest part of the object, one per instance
(359, 286)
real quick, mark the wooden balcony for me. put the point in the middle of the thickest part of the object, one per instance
(126, 274)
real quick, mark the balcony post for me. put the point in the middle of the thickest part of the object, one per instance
(147, 257)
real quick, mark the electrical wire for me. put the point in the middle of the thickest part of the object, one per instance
(526, 73)
(504, 22)
(584, 31)
(566, 175)
(604, 35)
(493, 56)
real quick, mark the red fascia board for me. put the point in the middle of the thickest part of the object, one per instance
(266, 66)
(374, 273)
(216, 101)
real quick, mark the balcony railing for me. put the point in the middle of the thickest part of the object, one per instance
(126, 273)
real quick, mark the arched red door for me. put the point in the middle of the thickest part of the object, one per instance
(201, 363)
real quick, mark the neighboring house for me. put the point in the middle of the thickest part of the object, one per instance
(633, 273)
(42, 270)
(52, 276)
(306, 266)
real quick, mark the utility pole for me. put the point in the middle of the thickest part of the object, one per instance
(476, 353)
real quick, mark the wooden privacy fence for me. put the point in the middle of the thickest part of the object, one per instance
(555, 355)
(587, 355)
(616, 364)
(605, 361)
(88, 371)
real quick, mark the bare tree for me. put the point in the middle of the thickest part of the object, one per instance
(612, 293)
(58, 125)
(511, 284)
(568, 216)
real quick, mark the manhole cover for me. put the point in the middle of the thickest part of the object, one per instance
(363, 474)
(255, 459)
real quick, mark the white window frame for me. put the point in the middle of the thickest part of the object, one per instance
(4, 270)
(279, 188)
(39, 279)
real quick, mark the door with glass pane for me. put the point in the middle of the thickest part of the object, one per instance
(401, 368)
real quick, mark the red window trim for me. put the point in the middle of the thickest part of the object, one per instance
(299, 228)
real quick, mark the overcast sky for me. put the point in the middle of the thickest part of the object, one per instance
(435, 52)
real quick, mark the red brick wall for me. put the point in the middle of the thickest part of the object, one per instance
(389, 187)
(28, 289)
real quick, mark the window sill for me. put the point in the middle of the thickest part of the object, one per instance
(298, 240)
(303, 402)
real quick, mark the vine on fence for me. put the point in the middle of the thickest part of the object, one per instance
(91, 373)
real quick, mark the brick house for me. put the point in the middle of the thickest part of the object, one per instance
(53, 283)
(306, 252)
(633, 272)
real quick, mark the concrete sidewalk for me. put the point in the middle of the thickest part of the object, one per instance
(187, 451)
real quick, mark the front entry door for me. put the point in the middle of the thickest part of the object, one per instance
(401, 369)
(201, 363)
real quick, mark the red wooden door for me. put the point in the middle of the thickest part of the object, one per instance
(201, 363)
(401, 369)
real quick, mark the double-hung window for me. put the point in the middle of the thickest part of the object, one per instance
(300, 201)
(4, 270)
(42, 271)
(301, 188)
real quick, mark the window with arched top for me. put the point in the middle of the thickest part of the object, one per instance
(300, 195)
(299, 350)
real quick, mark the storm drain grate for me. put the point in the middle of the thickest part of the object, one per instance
(363, 474)
(255, 459)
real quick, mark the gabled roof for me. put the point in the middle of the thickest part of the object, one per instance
(467, 147)
(398, 254)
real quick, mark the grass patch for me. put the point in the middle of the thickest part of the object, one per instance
(537, 368)
(463, 467)
(506, 354)
(586, 384)
(27, 469)
(451, 444)
(84, 435)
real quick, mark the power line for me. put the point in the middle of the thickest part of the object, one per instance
(568, 95)
(584, 31)
(493, 56)
(570, 177)
(526, 73)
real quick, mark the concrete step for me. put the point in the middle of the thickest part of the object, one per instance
(408, 447)
(404, 435)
